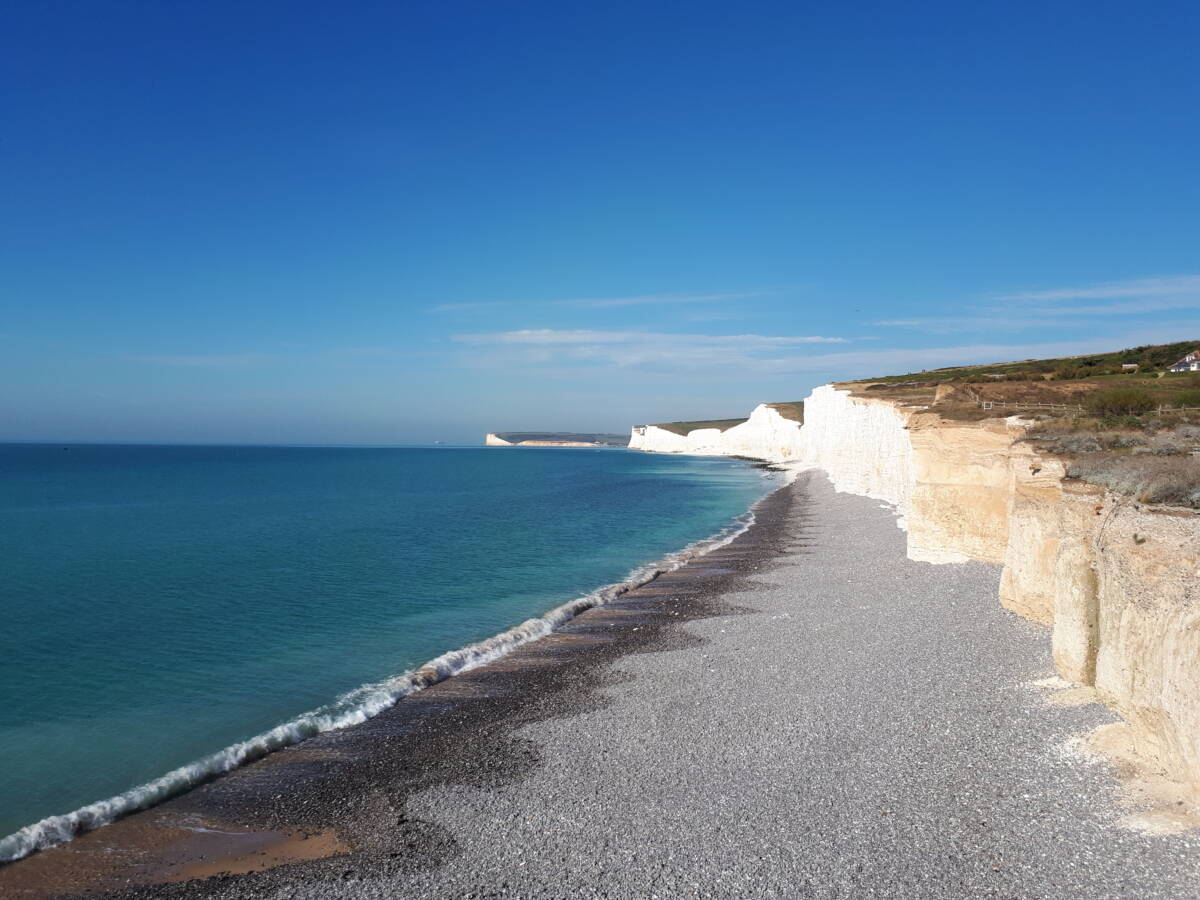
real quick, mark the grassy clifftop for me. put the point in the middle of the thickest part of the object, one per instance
(793, 410)
(1134, 432)
(683, 428)
(1084, 385)
(1148, 358)
(611, 440)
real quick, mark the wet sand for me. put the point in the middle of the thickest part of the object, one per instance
(801, 713)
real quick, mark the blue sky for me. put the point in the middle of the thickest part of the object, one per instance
(378, 222)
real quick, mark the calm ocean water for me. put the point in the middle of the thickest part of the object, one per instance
(163, 604)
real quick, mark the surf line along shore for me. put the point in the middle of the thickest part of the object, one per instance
(802, 712)
(241, 818)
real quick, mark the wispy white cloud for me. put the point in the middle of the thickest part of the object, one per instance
(468, 306)
(668, 299)
(721, 357)
(655, 351)
(588, 336)
(982, 322)
(203, 360)
(1128, 308)
(657, 299)
(716, 314)
(1174, 285)
(366, 352)
(1060, 307)
(953, 324)
(294, 355)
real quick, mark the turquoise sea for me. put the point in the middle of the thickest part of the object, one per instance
(169, 610)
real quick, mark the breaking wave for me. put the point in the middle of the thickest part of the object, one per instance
(356, 706)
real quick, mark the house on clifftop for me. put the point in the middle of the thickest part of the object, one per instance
(1190, 363)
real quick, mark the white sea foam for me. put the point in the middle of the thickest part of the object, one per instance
(356, 706)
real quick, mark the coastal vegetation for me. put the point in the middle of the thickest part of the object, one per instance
(1133, 431)
(1148, 358)
(682, 428)
(1151, 459)
(793, 410)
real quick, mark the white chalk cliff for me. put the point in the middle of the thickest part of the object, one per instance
(1117, 581)
(765, 435)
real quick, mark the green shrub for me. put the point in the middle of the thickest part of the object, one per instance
(1129, 421)
(1121, 402)
(1171, 480)
(1185, 398)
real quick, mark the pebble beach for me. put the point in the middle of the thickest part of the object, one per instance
(804, 712)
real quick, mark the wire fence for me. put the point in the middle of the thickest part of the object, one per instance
(1067, 407)
(1015, 404)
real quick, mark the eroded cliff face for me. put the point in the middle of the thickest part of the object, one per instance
(962, 487)
(1117, 581)
(1034, 542)
(862, 444)
(950, 482)
(653, 439)
(765, 435)
(1128, 618)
